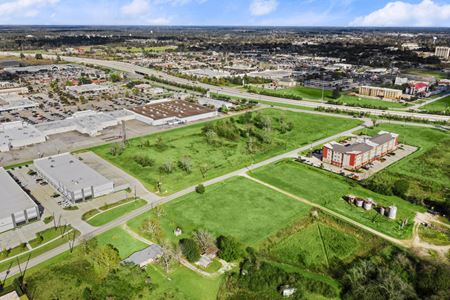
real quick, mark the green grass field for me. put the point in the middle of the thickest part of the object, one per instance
(427, 73)
(112, 214)
(438, 106)
(220, 158)
(327, 189)
(372, 102)
(238, 207)
(119, 238)
(315, 245)
(427, 169)
(183, 283)
(309, 93)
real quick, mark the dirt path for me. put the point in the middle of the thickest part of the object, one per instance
(414, 243)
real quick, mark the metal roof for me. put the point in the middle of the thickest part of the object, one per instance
(150, 253)
(70, 172)
(16, 200)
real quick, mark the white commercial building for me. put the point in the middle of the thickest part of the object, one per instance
(72, 178)
(16, 207)
(86, 122)
(272, 74)
(88, 88)
(210, 73)
(18, 134)
(14, 101)
(442, 52)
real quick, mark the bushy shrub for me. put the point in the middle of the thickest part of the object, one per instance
(200, 189)
(190, 249)
(229, 248)
(144, 160)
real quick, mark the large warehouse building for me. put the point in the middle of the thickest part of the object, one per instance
(72, 178)
(162, 112)
(16, 207)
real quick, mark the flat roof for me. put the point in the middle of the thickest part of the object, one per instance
(70, 172)
(92, 87)
(17, 199)
(171, 109)
(18, 131)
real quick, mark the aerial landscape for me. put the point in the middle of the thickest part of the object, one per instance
(204, 149)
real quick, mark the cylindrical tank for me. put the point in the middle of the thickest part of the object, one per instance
(359, 202)
(382, 211)
(368, 205)
(392, 212)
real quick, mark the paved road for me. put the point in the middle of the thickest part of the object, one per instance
(132, 68)
(155, 201)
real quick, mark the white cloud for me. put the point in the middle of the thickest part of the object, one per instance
(136, 7)
(26, 7)
(263, 7)
(399, 13)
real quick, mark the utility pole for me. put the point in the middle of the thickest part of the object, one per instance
(124, 134)
(323, 86)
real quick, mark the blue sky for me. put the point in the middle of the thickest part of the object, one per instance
(228, 12)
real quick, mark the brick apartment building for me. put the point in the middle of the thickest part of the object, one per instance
(361, 153)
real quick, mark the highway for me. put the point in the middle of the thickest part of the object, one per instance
(135, 69)
(154, 201)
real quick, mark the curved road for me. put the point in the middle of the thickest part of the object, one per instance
(132, 68)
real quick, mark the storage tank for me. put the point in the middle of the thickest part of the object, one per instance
(392, 212)
(359, 202)
(368, 204)
(382, 211)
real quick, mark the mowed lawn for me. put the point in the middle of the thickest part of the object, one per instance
(114, 213)
(427, 169)
(182, 283)
(122, 240)
(354, 100)
(238, 207)
(212, 160)
(327, 189)
(438, 106)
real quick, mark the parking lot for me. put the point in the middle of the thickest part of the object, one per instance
(366, 171)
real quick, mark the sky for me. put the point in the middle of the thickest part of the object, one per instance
(421, 13)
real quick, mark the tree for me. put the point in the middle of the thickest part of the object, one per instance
(229, 248)
(190, 249)
(200, 189)
(166, 167)
(169, 256)
(336, 93)
(204, 168)
(204, 239)
(401, 187)
(114, 77)
(185, 164)
(152, 227)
